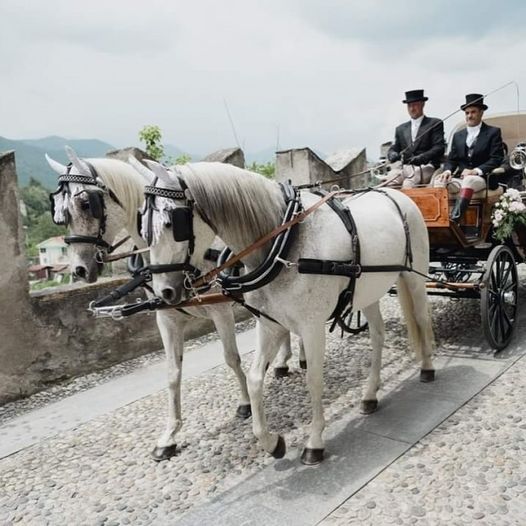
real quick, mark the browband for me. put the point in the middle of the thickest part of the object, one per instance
(165, 192)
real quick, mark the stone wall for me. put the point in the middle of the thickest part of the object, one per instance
(303, 166)
(48, 335)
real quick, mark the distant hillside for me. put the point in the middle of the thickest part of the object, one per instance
(30, 160)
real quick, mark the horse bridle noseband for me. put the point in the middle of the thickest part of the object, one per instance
(96, 205)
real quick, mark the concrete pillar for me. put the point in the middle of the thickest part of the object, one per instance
(17, 334)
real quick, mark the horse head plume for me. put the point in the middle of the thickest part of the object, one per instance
(57, 167)
(161, 172)
(146, 174)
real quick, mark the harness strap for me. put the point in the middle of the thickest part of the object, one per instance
(209, 276)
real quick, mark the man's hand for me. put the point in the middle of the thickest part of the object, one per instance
(443, 178)
(416, 160)
(468, 171)
(393, 156)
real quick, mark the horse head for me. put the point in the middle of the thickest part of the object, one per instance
(84, 204)
(175, 231)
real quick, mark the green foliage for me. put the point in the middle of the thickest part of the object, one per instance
(181, 159)
(38, 222)
(267, 169)
(151, 136)
(508, 226)
(39, 285)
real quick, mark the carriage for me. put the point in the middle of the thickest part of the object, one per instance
(466, 261)
(182, 215)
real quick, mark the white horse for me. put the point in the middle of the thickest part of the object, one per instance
(120, 187)
(241, 207)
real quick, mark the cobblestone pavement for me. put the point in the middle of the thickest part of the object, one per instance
(468, 469)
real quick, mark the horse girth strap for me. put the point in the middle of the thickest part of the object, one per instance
(203, 280)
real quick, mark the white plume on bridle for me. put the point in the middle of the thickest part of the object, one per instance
(160, 218)
(61, 205)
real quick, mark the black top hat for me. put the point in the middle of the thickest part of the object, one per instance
(474, 99)
(414, 96)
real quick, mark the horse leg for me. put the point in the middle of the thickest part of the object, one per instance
(281, 369)
(377, 335)
(171, 327)
(415, 304)
(314, 342)
(223, 318)
(268, 339)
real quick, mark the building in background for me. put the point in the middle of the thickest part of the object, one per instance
(53, 251)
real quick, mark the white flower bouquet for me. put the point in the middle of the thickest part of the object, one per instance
(507, 213)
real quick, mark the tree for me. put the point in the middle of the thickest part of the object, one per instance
(38, 221)
(267, 169)
(151, 136)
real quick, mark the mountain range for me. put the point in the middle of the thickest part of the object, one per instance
(31, 162)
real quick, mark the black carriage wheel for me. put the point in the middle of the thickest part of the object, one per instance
(498, 297)
(353, 322)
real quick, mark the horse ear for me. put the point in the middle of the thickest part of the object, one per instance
(146, 174)
(56, 166)
(160, 171)
(78, 163)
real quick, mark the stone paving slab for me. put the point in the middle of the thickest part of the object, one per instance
(358, 447)
(288, 493)
(79, 408)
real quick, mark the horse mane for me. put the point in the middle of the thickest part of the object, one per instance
(124, 181)
(247, 204)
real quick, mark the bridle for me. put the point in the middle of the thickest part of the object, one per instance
(96, 206)
(182, 223)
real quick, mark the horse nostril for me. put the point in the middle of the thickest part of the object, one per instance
(80, 272)
(168, 294)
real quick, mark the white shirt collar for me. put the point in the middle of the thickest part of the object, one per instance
(417, 122)
(473, 130)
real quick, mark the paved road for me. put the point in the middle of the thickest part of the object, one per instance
(452, 452)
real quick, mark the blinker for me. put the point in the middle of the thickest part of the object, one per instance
(96, 204)
(182, 223)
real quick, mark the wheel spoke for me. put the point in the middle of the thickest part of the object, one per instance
(493, 279)
(507, 320)
(506, 274)
(493, 320)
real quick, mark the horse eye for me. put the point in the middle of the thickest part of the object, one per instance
(168, 225)
(84, 205)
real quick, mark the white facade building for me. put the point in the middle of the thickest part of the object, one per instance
(53, 251)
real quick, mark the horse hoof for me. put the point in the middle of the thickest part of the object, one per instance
(311, 457)
(244, 411)
(303, 364)
(281, 372)
(368, 406)
(164, 453)
(280, 449)
(427, 375)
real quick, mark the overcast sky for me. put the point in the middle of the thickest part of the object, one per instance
(329, 74)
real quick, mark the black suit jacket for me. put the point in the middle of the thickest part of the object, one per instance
(429, 145)
(487, 152)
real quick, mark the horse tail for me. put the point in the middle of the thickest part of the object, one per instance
(415, 332)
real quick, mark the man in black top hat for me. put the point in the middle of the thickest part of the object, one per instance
(419, 143)
(475, 152)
